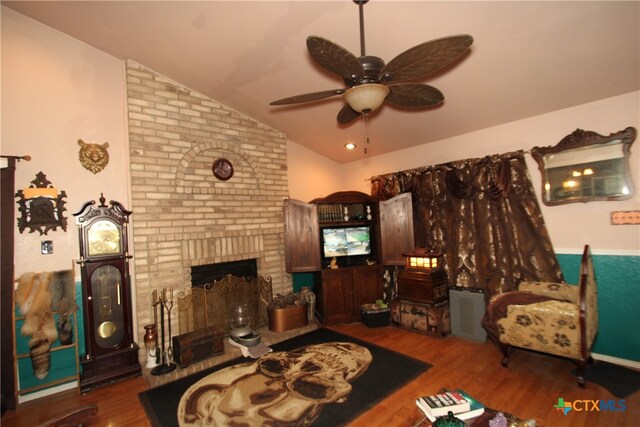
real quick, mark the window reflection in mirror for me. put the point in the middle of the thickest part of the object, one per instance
(586, 166)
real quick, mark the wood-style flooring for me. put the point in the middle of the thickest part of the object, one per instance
(529, 388)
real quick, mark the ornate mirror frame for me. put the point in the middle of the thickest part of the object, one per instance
(585, 166)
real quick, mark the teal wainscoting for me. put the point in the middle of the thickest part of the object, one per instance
(301, 280)
(618, 278)
(80, 314)
(64, 367)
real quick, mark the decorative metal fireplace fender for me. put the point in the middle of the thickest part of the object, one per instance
(211, 303)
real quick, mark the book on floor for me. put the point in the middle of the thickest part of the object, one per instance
(475, 408)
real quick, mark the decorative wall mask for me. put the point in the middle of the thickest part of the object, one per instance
(94, 157)
(41, 206)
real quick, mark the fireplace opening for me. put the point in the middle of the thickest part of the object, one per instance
(217, 288)
(203, 274)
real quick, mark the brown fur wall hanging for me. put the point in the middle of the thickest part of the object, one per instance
(94, 157)
(38, 296)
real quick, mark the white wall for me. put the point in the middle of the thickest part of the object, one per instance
(312, 175)
(56, 90)
(571, 226)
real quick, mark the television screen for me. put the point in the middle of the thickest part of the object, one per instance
(346, 241)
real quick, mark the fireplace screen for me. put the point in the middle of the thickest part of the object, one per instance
(212, 303)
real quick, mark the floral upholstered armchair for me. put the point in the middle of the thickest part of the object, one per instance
(553, 318)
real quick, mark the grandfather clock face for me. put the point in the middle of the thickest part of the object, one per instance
(104, 238)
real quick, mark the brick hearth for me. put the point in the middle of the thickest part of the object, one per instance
(230, 352)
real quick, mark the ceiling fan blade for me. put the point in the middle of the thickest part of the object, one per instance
(426, 58)
(347, 114)
(307, 97)
(414, 95)
(335, 58)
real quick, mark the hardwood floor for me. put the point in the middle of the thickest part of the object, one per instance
(529, 388)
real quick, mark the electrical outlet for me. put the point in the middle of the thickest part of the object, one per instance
(47, 247)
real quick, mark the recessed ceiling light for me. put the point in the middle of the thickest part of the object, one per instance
(350, 146)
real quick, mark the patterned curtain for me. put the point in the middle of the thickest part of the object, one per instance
(483, 215)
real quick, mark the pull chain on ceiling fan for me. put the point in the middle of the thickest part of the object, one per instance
(370, 82)
(365, 131)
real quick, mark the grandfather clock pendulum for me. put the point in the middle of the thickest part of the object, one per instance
(111, 353)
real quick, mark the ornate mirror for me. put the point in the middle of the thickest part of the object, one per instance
(585, 166)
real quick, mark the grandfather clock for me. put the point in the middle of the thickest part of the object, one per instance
(111, 353)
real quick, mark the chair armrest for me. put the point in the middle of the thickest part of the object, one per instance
(560, 291)
(549, 326)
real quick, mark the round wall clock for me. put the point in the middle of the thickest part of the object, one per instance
(222, 169)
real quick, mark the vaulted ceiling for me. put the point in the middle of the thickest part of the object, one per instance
(528, 58)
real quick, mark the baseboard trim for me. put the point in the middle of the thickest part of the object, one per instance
(595, 251)
(47, 392)
(617, 361)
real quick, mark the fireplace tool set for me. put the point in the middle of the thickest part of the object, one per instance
(163, 356)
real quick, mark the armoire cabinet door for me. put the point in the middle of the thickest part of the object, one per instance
(396, 229)
(302, 237)
(367, 286)
(336, 295)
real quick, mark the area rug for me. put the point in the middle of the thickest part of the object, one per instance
(333, 392)
(620, 381)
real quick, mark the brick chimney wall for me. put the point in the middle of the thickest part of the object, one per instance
(184, 216)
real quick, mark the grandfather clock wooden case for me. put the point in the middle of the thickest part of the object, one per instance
(341, 292)
(111, 353)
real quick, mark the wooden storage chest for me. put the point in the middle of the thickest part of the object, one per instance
(198, 345)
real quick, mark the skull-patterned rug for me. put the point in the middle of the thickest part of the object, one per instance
(321, 378)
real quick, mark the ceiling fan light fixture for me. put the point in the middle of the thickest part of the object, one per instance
(367, 97)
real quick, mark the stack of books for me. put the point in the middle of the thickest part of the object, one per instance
(460, 403)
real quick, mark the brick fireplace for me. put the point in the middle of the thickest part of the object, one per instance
(182, 215)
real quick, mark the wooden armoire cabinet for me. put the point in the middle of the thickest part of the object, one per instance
(386, 231)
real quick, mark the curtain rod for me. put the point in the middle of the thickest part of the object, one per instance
(422, 168)
(18, 158)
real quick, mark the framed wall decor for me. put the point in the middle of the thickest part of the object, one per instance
(41, 206)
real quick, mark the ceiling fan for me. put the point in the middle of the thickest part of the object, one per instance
(370, 81)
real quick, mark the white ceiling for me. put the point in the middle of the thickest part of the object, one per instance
(528, 58)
